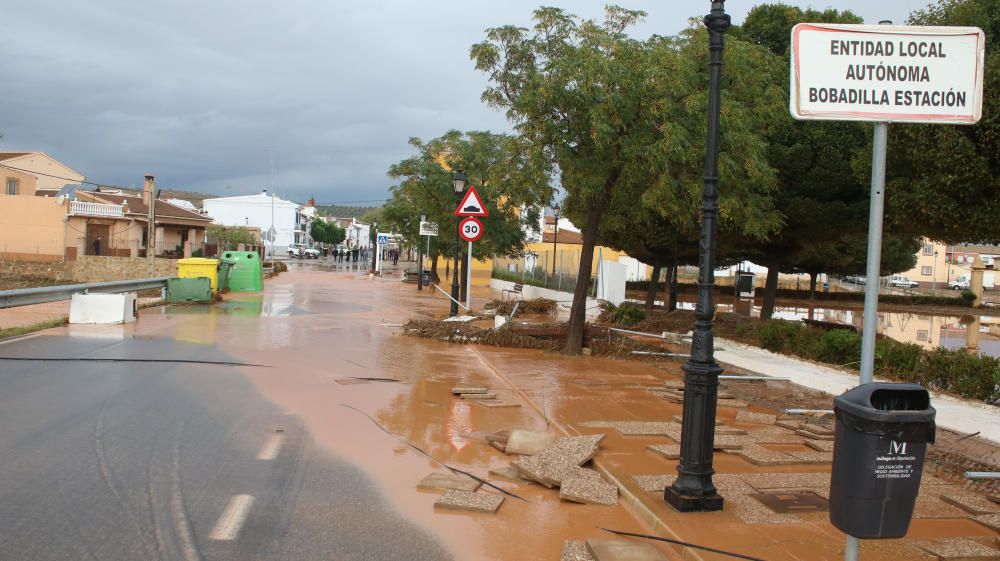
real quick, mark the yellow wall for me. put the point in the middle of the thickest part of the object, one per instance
(571, 253)
(31, 226)
(26, 183)
(42, 163)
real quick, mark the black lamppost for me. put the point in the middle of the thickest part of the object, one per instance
(373, 236)
(555, 236)
(693, 489)
(458, 183)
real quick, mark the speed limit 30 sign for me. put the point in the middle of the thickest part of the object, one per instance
(470, 229)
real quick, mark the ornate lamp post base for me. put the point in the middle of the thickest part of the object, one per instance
(687, 503)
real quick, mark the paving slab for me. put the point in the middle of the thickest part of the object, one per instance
(772, 438)
(752, 511)
(509, 473)
(973, 503)
(622, 550)
(668, 451)
(575, 550)
(739, 403)
(752, 417)
(929, 506)
(959, 549)
(730, 483)
(445, 481)
(640, 428)
(477, 501)
(812, 456)
(654, 483)
(529, 442)
(485, 395)
(820, 445)
(989, 520)
(559, 460)
(729, 442)
(458, 390)
(813, 435)
(765, 481)
(588, 491)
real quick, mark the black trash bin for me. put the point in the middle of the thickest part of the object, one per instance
(881, 439)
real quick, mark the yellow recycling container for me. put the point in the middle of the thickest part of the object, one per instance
(196, 267)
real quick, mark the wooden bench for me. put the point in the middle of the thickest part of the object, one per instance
(514, 291)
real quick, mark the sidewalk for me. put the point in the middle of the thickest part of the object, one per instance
(627, 401)
(960, 415)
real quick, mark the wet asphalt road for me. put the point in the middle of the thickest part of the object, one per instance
(156, 461)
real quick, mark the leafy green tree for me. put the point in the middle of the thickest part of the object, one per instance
(327, 232)
(823, 201)
(623, 120)
(511, 177)
(230, 237)
(943, 181)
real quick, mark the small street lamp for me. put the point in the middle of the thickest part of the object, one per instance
(555, 236)
(693, 489)
(458, 184)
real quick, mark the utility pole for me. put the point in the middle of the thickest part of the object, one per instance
(149, 193)
(273, 232)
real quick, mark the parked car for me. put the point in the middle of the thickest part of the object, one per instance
(295, 250)
(310, 253)
(903, 282)
(854, 279)
(961, 283)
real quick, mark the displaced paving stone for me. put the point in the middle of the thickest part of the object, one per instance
(758, 455)
(486, 395)
(725, 429)
(471, 501)
(668, 451)
(654, 483)
(817, 429)
(969, 501)
(469, 389)
(509, 473)
(597, 425)
(989, 520)
(642, 428)
(928, 506)
(958, 549)
(622, 550)
(496, 403)
(574, 550)
(529, 442)
(791, 425)
(765, 481)
(559, 460)
(820, 445)
(812, 456)
(928, 479)
(814, 436)
(587, 490)
(674, 384)
(777, 439)
(729, 442)
(499, 439)
(445, 481)
(723, 402)
(759, 418)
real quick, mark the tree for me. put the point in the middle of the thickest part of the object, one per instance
(823, 201)
(622, 119)
(230, 237)
(327, 232)
(943, 181)
(509, 174)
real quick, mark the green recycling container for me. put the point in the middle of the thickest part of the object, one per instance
(196, 289)
(246, 272)
(224, 269)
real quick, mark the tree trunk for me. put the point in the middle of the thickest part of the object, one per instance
(672, 283)
(812, 286)
(577, 314)
(653, 282)
(434, 270)
(770, 291)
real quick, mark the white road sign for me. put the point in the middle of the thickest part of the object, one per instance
(383, 239)
(888, 73)
(428, 229)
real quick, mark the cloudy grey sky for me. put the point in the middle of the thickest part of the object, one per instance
(196, 92)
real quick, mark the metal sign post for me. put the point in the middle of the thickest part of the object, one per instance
(470, 229)
(884, 73)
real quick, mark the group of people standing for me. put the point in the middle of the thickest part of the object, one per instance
(345, 255)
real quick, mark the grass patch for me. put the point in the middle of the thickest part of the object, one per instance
(25, 329)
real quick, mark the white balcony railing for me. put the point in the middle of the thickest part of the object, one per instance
(82, 208)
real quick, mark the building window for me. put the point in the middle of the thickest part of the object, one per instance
(11, 186)
(928, 249)
(921, 335)
(925, 270)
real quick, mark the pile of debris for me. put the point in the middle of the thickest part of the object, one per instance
(554, 463)
(461, 492)
(532, 306)
(462, 333)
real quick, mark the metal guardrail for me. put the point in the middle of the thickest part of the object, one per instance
(27, 296)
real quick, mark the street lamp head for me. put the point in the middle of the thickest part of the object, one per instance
(555, 209)
(458, 182)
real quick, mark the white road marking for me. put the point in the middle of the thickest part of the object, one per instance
(271, 447)
(232, 519)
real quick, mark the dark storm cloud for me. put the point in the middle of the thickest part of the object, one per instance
(195, 92)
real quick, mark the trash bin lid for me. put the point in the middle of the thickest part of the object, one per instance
(198, 261)
(898, 410)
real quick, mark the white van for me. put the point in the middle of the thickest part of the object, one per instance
(964, 281)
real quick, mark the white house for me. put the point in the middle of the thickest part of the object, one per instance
(263, 211)
(356, 233)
